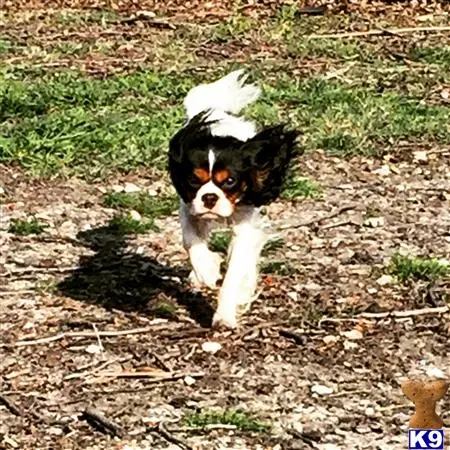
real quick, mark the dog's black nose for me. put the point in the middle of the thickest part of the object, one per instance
(209, 200)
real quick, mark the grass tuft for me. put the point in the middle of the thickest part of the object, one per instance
(128, 225)
(25, 227)
(220, 241)
(427, 269)
(141, 202)
(239, 419)
(281, 268)
(164, 310)
(299, 187)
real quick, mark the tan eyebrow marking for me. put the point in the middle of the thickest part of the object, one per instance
(221, 175)
(202, 174)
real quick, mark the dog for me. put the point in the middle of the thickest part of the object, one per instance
(224, 171)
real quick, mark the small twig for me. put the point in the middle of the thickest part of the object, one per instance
(18, 291)
(97, 420)
(10, 406)
(158, 375)
(261, 326)
(320, 219)
(100, 345)
(297, 338)
(342, 223)
(407, 313)
(385, 31)
(75, 375)
(148, 383)
(163, 432)
(29, 270)
(80, 334)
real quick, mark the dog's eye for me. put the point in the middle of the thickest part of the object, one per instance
(230, 182)
(194, 181)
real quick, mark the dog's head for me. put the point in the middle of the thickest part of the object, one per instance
(212, 174)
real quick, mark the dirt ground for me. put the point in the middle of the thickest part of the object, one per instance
(334, 384)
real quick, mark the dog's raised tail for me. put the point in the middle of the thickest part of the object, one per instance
(229, 94)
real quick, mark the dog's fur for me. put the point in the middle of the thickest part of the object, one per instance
(224, 170)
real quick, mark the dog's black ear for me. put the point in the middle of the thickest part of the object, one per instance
(196, 129)
(269, 154)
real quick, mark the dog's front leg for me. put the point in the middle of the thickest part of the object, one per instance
(205, 263)
(241, 278)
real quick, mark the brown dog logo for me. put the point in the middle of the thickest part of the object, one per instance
(425, 395)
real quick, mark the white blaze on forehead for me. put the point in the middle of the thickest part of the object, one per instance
(211, 160)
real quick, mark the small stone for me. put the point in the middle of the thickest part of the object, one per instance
(330, 339)
(445, 94)
(135, 215)
(211, 347)
(293, 296)
(384, 171)
(353, 335)
(434, 372)
(321, 389)
(420, 156)
(117, 188)
(385, 280)
(189, 380)
(369, 412)
(152, 192)
(55, 431)
(93, 349)
(372, 290)
(2, 191)
(349, 345)
(130, 187)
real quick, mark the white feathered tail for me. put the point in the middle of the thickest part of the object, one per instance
(226, 96)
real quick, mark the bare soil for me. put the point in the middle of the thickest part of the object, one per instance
(78, 277)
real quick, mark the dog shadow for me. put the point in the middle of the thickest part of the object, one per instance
(117, 279)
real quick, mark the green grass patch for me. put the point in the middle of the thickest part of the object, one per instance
(141, 202)
(164, 310)
(239, 419)
(128, 225)
(25, 227)
(219, 241)
(272, 245)
(281, 268)
(344, 119)
(439, 56)
(427, 269)
(299, 187)
(69, 123)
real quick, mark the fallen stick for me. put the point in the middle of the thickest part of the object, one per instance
(99, 421)
(163, 432)
(331, 215)
(378, 32)
(297, 338)
(29, 270)
(10, 406)
(407, 313)
(80, 334)
(158, 375)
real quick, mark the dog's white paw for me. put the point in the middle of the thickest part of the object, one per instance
(224, 319)
(206, 272)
